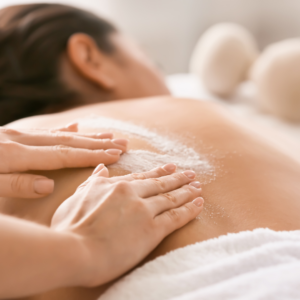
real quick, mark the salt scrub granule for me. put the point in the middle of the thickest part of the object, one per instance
(141, 160)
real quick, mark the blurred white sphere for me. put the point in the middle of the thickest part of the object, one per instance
(277, 77)
(223, 57)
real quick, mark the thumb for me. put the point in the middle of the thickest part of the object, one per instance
(101, 171)
(25, 186)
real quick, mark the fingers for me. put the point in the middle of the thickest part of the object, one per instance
(47, 138)
(106, 135)
(175, 218)
(155, 173)
(73, 127)
(66, 136)
(176, 198)
(25, 186)
(58, 157)
(154, 186)
(100, 171)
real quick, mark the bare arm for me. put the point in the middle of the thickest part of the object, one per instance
(35, 258)
(108, 226)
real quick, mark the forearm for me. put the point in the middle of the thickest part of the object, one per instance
(34, 258)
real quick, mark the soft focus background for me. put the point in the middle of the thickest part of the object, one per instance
(169, 29)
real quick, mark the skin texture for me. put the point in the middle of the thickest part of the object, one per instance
(252, 179)
(255, 183)
(49, 150)
(89, 227)
(102, 214)
(143, 199)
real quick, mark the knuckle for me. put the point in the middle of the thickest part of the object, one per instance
(189, 208)
(140, 206)
(189, 190)
(138, 176)
(64, 154)
(160, 184)
(170, 197)
(161, 172)
(17, 183)
(65, 150)
(123, 187)
(180, 177)
(64, 138)
(174, 215)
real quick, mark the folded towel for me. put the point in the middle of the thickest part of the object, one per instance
(259, 264)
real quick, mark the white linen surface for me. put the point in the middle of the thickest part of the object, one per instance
(259, 264)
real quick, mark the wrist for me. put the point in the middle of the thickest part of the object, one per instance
(76, 259)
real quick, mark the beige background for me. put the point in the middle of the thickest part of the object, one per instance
(169, 29)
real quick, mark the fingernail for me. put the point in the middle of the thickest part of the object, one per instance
(170, 168)
(195, 184)
(113, 151)
(74, 124)
(43, 186)
(198, 201)
(98, 168)
(105, 135)
(122, 142)
(189, 174)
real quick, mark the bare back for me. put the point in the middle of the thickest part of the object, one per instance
(253, 185)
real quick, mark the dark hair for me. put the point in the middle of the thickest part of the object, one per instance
(32, 39)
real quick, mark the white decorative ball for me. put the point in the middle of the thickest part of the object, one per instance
(277, 77)
(223, 57)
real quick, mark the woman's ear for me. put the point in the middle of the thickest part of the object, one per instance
(89, 61)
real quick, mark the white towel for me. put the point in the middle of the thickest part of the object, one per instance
(259, 264)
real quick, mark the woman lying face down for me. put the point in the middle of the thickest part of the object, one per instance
(53, 57)
(250, 184)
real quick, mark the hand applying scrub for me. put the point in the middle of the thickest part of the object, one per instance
(126, 217)
(107, 227)
(21, 151)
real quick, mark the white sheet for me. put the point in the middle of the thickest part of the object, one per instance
(259, 264)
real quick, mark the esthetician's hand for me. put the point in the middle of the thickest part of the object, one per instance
(21, 151)
(118, 221)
